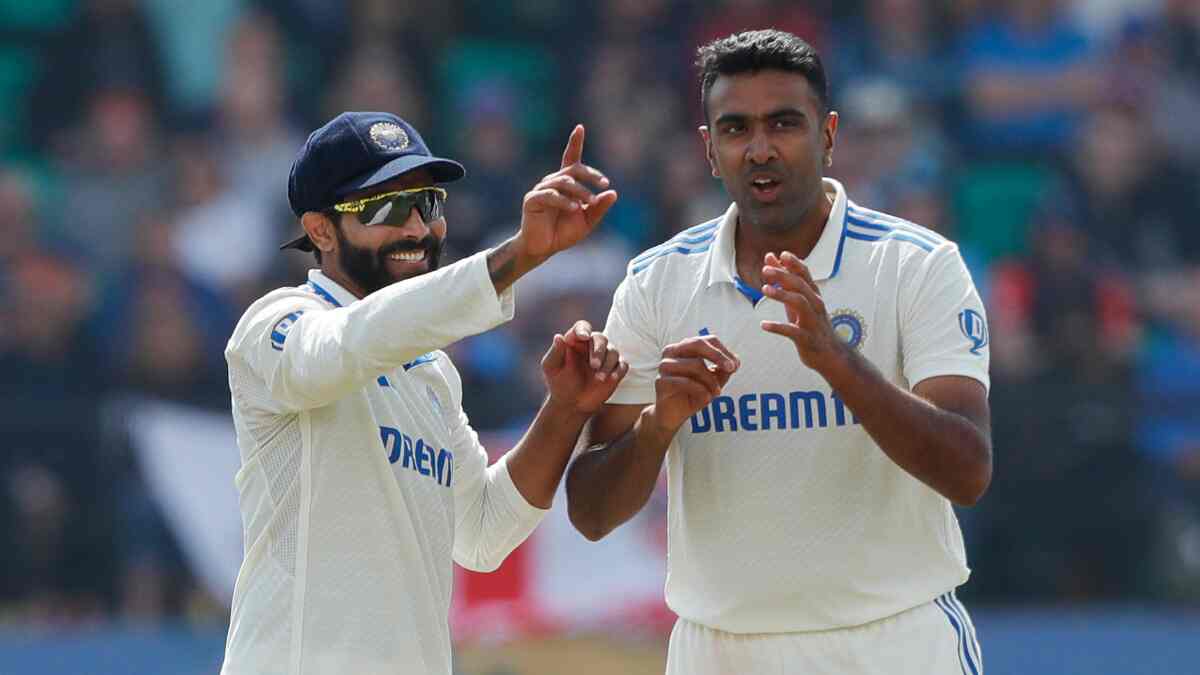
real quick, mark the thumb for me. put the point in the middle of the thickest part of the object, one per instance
(596, 210)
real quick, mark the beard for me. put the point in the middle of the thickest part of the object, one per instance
(780, 217)
(368, 269)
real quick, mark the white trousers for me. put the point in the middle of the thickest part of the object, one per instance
(936, 638)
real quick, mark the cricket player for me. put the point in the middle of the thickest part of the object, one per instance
(815, 374)
(361, 477)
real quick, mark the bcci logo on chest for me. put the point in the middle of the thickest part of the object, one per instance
(850, 327)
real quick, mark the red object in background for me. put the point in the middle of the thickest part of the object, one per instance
(506, 584)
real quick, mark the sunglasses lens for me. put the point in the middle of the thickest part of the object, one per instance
(394, 211)
(429, 205)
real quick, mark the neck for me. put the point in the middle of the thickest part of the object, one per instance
(338, 277)
(752, 243)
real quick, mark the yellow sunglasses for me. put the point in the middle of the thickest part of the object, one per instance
(392, 208)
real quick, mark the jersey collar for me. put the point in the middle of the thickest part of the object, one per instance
(824, 260)
(328, 290)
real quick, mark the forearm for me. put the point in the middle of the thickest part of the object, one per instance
(942, 449)
(537, 462)
(508, 262)
(609, 485)
(331, 352)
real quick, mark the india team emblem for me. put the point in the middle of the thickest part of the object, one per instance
(389, 136)
(975, 328)
(850, 327)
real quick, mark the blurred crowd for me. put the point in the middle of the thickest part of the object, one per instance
(145, 145)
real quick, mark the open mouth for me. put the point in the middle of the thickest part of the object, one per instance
(407, 256)
(764, 188)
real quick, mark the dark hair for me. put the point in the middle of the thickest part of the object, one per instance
(754, 50)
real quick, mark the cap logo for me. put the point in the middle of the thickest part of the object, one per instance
(389, 136)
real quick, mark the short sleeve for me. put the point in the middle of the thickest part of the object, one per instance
(944, 328)
(631, 329)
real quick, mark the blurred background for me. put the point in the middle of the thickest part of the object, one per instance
(144, 151)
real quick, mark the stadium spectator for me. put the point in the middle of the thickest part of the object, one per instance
(1029, 75)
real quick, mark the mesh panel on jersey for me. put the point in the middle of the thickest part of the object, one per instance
(282, 532)
(280, 460)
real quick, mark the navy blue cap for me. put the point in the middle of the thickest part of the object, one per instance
(355, 151)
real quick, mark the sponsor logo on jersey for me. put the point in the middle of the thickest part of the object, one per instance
(972, 325)
(767, 411)
(280, 330)
(417, 455)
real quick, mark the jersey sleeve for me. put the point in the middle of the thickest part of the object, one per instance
(309, 355)
(944, 327)
(491, 517)
(631, 328)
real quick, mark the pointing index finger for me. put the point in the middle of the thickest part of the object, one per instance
(574, 151)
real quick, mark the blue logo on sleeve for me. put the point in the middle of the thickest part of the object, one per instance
(975, 328)
(280, 330)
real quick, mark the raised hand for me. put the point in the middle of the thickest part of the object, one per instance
(581, 369)
(562, 209)
(692, 372)
(786, 278)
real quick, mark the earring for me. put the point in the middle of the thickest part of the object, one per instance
(828, 160)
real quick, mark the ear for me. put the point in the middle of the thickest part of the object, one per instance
(830, 135)
(706, 136)
(320, 230)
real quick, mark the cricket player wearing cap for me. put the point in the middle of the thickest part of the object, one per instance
(361, 477)
(814, 374)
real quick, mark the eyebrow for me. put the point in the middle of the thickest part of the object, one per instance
(773, 115)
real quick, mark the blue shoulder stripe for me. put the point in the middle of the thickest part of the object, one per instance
(694, 235)
(878, 231)
(674, 249)
(879, 219)
(900, 236)
(867, 224)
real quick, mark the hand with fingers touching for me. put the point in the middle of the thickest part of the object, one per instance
(581, 369)
(786, 278)
(692, 372)
(562, 208)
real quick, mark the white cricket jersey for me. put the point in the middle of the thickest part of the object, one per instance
(361, 477)
(783, 514)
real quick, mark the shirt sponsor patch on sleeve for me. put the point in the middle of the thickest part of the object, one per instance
(280, 330)
(972, 325)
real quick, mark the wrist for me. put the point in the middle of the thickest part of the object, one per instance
(510, 261)
(654, 428)
(564, 412)
(837, 365)
(526, 260)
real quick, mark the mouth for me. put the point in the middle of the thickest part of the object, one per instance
(407, 256)
(765, 188)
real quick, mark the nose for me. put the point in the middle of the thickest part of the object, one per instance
(414, 226)
(760, 149)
